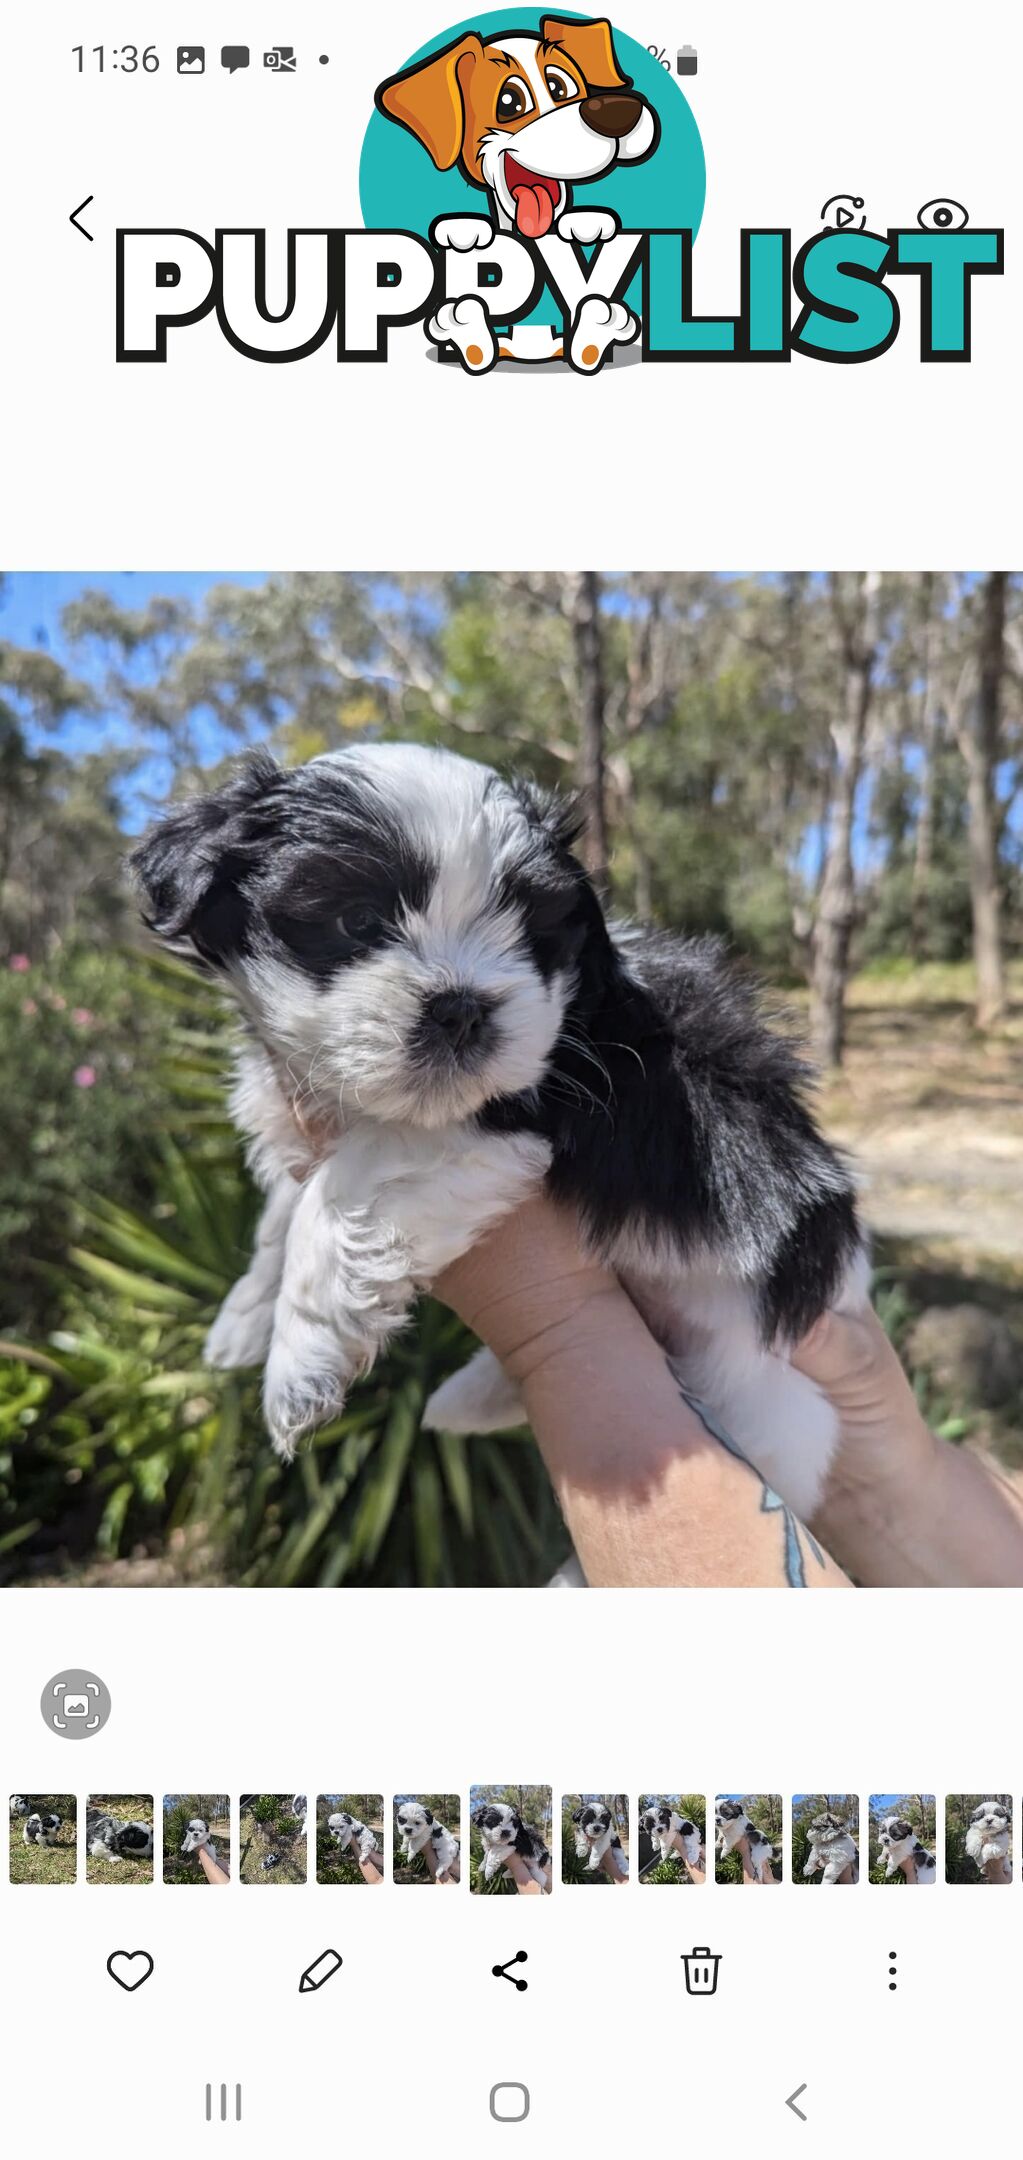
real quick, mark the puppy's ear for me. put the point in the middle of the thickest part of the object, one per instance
(591, 46)
(429, 99)
(428, 1814)
(188, 869)
(562, 818)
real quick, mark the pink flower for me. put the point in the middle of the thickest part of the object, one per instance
(84, 1076)
(82, 1017)
(19, 963)
(29, 1007)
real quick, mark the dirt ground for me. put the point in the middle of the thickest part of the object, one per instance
(932, 1114)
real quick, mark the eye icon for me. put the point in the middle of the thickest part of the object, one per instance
(942, 215)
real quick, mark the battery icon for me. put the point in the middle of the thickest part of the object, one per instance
(701, 1971)
(686, 62)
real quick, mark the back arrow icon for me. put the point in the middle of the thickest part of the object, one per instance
(791, 2102)
(76, 214)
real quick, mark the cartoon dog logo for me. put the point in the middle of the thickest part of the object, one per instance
(526, 118)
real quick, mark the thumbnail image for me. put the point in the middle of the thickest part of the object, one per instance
(427, 1834)
(197, 1838)
(43, 1838)
(748, 1838)
(350, 1838)
(825, 1838)
(119, 1838)
(510, 1830)
(595, 1838)
(671, 1833)
(271, 1838)
(978, 1838)
(903, 1834)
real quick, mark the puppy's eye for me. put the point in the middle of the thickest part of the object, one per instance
(513, 99)
(560, 86)
(359, 924)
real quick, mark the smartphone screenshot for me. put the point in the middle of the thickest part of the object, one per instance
(511, 1054)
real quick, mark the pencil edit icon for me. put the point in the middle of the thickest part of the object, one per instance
(322, 1969)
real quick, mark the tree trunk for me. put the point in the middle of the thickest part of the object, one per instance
(836, 910)
(930, 734)
(978, 736)
(582, 599)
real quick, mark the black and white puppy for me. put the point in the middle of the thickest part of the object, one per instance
(669, 1831)
(20, 1804)
(418, 1826)
(832, 1849)
(439, 1019)
(299, 1810)
(503, 1832)
(898, 1841)
(595, 1835)
(108, 1838)
(347, 1831)
(989, 1837)
(40, 1829)
(196, 1836)
(732, 1823)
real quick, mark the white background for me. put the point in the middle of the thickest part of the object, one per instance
(215, 462)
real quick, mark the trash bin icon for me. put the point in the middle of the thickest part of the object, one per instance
(701, 1971)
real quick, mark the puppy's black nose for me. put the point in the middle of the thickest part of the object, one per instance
(613, 112)
(459, 1015)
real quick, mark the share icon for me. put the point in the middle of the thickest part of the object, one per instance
(501, 1971)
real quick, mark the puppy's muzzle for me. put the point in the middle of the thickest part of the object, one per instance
(614, 112)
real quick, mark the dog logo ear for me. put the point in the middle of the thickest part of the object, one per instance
(591, 46)
(429, 99)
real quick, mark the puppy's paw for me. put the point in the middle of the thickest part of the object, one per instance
(296, 1403)
(463, 233)
(599, 324)
(464, 324)
(241, 1332)
(588, 226)
(478, 1399)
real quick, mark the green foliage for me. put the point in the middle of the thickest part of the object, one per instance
(81, 1086)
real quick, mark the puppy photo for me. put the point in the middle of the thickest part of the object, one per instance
(903, 1828)
(978, 1838)
(825, 1838)
(433, 999)
(197, 1838)
(595, 1838)
(671, 1829)
(510, 1829)
(119, 1838)
(748, 1833)
(42, 1838)
(271, 1838)
(427, 1832)
(350, 1838)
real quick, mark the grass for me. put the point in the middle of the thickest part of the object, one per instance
(46, 1863)
(131, 1807)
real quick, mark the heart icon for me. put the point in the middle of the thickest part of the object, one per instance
(129, 1968)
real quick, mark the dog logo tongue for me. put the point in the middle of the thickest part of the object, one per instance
(535, 199)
